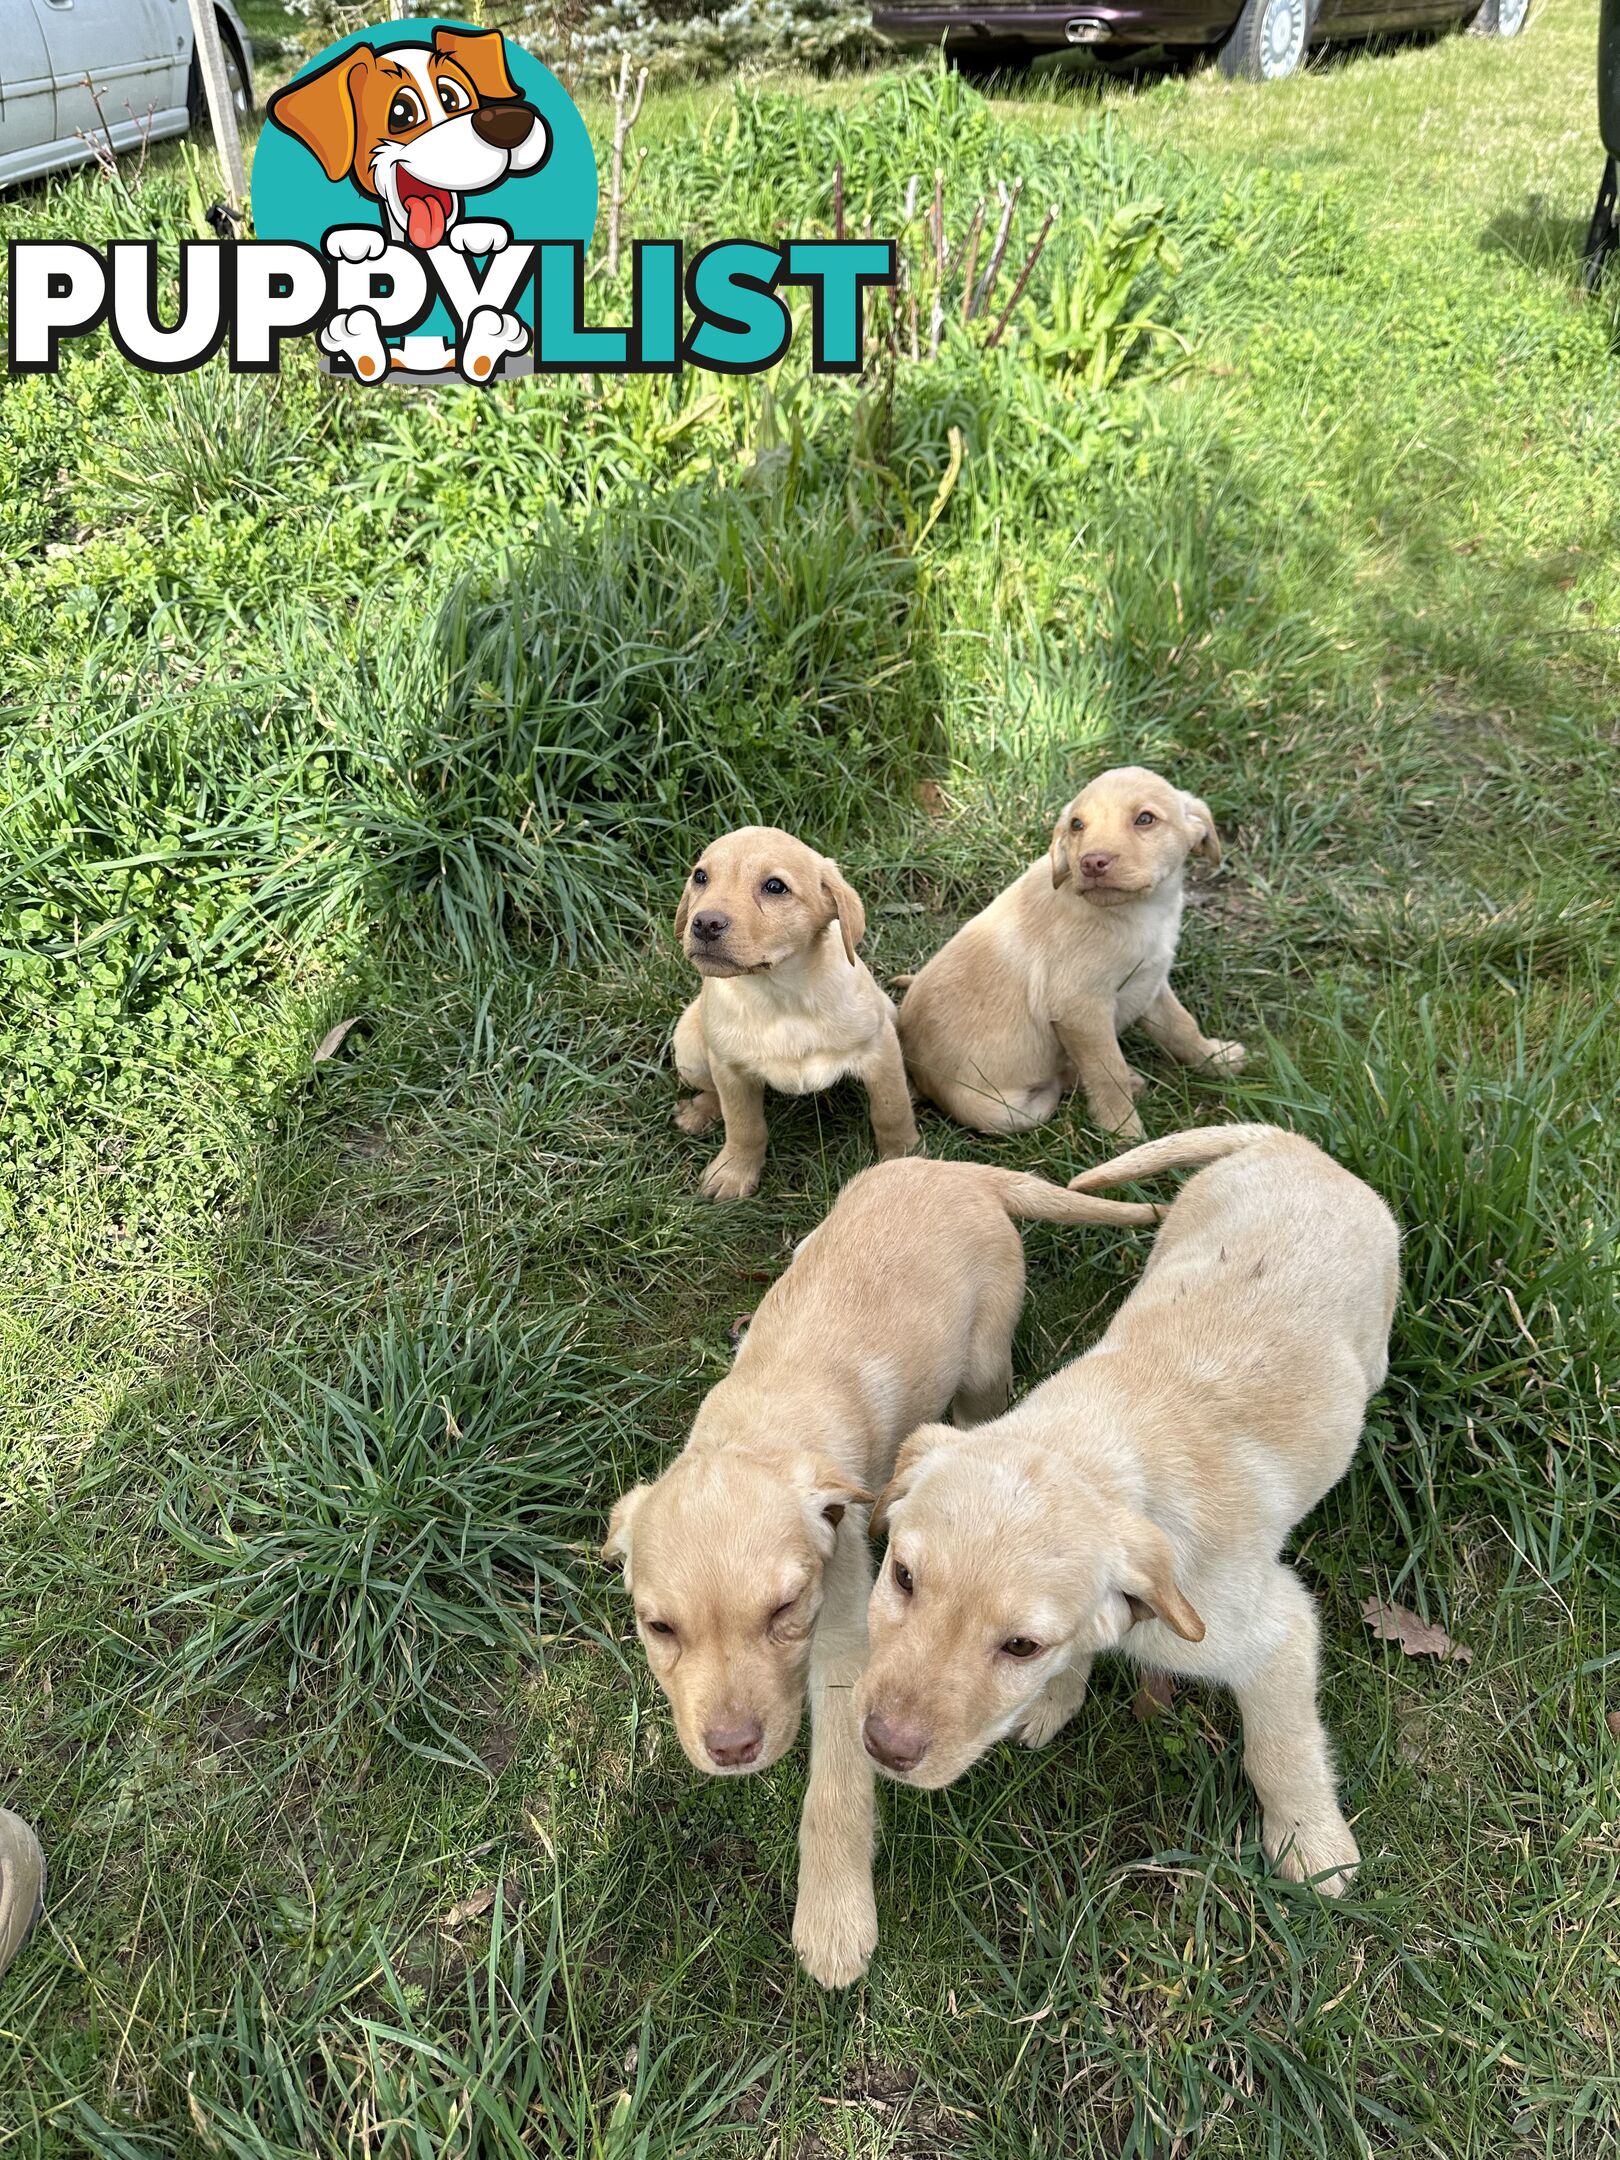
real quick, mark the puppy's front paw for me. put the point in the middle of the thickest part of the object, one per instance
(1229, 1056)
(697, 1113)
(1129, 1127)
(731, 1176)
(891, 1145)
(835, 1927)
(1135, 1081)
(479, 236)
(1052, 1708)
(355, 243)
(1323, 1851)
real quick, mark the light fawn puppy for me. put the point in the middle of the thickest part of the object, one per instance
(1140, 1498)
(1031, 996)
(786, 1002)
(747, 1560)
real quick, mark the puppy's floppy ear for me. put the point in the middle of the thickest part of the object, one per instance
(319, 109)
(1148, 1581)
(683, 914)
(906, 1464)
(1060, 848)
(1207, 841)
(481, 56)
(616, 1545)
(827, 1494)
(845, 905)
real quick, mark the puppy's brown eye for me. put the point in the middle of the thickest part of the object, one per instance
(659, 1627)
(451, 95)
(774, 886)
(1020, 1646)
(700, 877)
(1146, 817)
(902, 1579)
(1077, 824)
(405, 111)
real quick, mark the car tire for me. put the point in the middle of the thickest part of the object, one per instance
(981, 57)
(236, 68)
(1268, 41)
(1500, 18)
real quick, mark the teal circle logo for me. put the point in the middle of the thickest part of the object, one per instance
(424, 160)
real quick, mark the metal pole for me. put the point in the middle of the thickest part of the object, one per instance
(221, 105)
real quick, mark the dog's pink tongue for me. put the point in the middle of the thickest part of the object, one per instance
(424, 221)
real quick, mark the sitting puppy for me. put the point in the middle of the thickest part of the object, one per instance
(1031, 995)
(1139, 1499)
(749, 1574)
(786, 1002)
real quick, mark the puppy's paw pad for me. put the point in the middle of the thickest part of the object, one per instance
(695, 1114)
(1323, 1853)
(1229, 1056)
(835, 1934)
(730, 1177)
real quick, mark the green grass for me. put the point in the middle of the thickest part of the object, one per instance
(407, 711)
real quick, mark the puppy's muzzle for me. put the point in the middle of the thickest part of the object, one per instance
(709, 929)
(504, 126)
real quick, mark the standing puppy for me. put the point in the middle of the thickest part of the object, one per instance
(747, 1559)
(786, 1002)
(1140, 1498)
(1032, 994)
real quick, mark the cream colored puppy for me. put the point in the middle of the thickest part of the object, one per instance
(786, 1002)
(1140, 1498)
(747, 1560)
(1032, 995)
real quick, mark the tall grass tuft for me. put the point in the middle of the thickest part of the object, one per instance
(361, 1530)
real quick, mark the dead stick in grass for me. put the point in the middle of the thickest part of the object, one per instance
(974, 231)
(994, 339)
(936, 314)
(992, 269)
(623, 122)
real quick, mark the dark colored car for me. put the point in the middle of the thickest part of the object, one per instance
(1261, 40)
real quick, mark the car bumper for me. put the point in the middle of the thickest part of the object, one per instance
(1112, 22)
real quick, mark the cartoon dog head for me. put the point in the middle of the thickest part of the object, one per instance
(417, 127)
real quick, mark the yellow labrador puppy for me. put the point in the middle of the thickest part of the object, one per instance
(786, 1002)
(747, 1560)
(1031, 995)
(1140, 1498)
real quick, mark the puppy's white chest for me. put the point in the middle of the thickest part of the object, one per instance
(1146, 968)
(795, 1050)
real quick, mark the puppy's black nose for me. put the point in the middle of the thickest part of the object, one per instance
(706, 928)
(504, 126)
(735, 1746)
(897, 1747)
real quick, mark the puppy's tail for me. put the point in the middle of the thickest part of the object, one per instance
(1028, 1198)
(1176, 1151)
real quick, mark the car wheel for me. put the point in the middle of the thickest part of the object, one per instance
(1500, 18)
(236, 74)
(1268, 40)
(989, 56)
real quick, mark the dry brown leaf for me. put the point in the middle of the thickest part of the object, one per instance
(333, 1040)
(931, 797)
(1418, 1638)
(1154, 1697)
(478, 1902)
(1612, 1720)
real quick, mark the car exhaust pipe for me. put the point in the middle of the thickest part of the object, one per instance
(1085, 30)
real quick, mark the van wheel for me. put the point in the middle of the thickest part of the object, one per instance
(1268, 41)
(236, 74)
(1500, 18)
